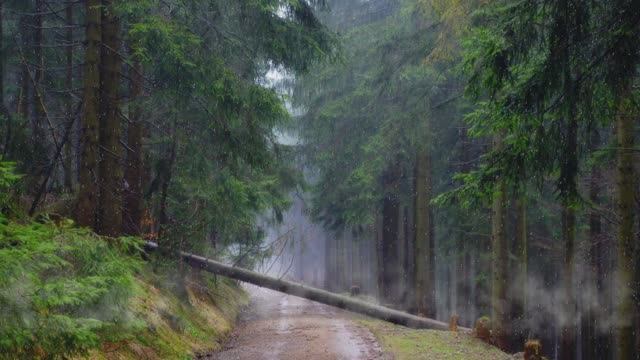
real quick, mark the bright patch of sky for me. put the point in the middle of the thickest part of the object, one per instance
(281, 81)
(282, 12)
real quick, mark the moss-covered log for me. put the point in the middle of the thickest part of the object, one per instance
(311, 293)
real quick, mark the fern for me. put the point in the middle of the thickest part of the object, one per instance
(63, 290)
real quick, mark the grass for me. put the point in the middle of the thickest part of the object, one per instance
(177, 326)
(404, 343)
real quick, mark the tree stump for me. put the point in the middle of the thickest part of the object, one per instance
(453, 323)
(533, 350)
(482, 329)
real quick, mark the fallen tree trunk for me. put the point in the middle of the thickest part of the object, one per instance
(311, 293)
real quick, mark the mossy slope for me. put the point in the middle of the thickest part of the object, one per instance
(178, 327)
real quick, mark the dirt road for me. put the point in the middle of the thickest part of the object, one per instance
(279, 326)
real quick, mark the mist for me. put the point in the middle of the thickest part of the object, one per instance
(398, 179)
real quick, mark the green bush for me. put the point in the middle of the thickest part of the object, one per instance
(62, 290)
(8, 178)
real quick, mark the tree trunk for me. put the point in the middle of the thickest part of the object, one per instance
(133, 175)
(568, 188)
(567, 346)
(592, 340)
(636, 278)
(390, 215)
(22, 108)
(423, 244)
(499, 249)
(68, 102)
(402, 253)
(4, 113)
(568, 173)
(35, 57)
(2, 60)
(38, 77)
(328, 261)
(307, 292)
(379, 256)
(409, 214)
(110, 173)
(164, 217)
(339, 263)
(464, 302)
(521, 256)
(625, 208)
(86, 209)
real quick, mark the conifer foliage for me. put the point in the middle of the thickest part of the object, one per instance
(142, 118)
(473, 142)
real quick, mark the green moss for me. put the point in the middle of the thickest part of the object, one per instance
(404, 343)
(177, 327)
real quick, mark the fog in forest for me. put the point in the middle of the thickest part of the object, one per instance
(397, 178)
(344, 254)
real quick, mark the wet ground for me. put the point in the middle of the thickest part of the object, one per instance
(279, 326)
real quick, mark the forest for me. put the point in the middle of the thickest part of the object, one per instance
(468, 161)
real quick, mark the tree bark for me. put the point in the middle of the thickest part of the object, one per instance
(2, 60)
(521, 256)
(379, 256)
(343, 265)
(39, 114)
(568, 187)
(464, 301)
(423, 244)
(133, 174)
(4, 112)
(567, 341)
(328, 261)
(86, 209)
(568, 173)
(33, 27)
(499, 249)
(409, 214)
(311, 293)
(22, 108)
(68, 102)
(402, 254)
(110, 169)
(625, 197)
(592, 340)
(164, 217)
(390, 225)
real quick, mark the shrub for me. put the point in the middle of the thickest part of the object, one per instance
(63, 290)
(8, 178)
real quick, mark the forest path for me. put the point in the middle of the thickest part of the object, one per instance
(279, 326)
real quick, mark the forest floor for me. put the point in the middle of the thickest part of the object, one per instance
(404, 343)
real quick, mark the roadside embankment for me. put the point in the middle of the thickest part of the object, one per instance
(180, 320)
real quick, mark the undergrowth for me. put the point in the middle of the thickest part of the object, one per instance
(67, 293)
(63, 290)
